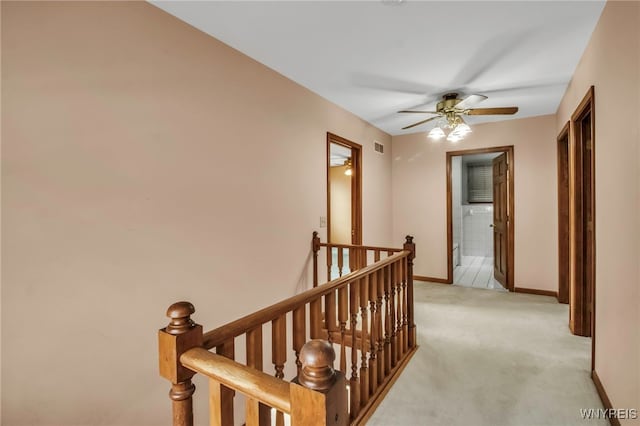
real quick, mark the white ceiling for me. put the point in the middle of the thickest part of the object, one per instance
(374, 58)
(338, 154)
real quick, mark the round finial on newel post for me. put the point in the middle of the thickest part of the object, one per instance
(409, 239)
(317, 357)
(180, 314)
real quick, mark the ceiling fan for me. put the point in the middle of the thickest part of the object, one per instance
(451, 108)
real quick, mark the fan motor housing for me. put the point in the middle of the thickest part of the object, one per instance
(448, 102)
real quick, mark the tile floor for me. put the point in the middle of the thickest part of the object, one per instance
(477, 272)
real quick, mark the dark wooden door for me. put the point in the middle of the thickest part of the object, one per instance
(563, 216)
(582, 292)
(589, 244)
(500, 220)
(585, 246)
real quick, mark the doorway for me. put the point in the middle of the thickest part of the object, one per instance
(563, 214)
(582, 249)
(344, 198)
(480, 218)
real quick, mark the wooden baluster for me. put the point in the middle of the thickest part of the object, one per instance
(220, 396)
(319, 393)
(315, 318)
(379, 325)
(178, 337)
(330, 315)
(394, 334)
(279, 345)
(254, 348)
(363, 258)
(259, 413)
(387, 320)
(252, 413)
(343, 316)
(315, 247)
(329, 261)
(373, 336)
(364, 342)
(279, 353)
(256, 413)
(405, 327)
(376, 256)
(340, 261)
(353, 259)
(410, 246)
(299, 332)
(354, 384)
(399, 328)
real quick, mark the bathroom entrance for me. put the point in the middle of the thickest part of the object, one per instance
(480, 218)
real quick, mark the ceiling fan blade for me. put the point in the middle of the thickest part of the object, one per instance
(491, 111)
(489, 54)
(527, 86)
(470, 101)
(390, 84)
(420, 122)
(419, 112)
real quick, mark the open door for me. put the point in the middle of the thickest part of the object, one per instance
(344, 196)
(500, 220)
(502, 188)
(582, 285)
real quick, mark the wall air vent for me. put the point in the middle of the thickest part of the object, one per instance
(378, 147)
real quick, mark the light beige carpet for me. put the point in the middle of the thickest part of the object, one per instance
(491, 358)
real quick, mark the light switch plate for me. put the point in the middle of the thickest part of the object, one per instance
(323, 221)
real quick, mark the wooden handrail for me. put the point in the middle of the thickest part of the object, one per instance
(369, 313)
(253, 383)
(236, 328)
(350, 246)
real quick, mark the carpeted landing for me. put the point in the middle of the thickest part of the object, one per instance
(491, 358)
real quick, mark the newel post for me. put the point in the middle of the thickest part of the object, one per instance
(322, 391)
(410, 246)
(315, 246)
(175, 339)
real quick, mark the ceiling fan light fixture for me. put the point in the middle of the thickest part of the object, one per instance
(463, 129)
(349, 170)
(436, 134)
(453, 137)
(449, 115)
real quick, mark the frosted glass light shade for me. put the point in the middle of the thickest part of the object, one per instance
(463, 128)
(453, 137)
(436, 134)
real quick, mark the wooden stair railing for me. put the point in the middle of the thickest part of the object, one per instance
(367, 312)
(359, 256)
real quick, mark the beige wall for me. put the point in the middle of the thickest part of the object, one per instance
(419, 196)
(143, 163)
(610, 63)
(340, 187)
